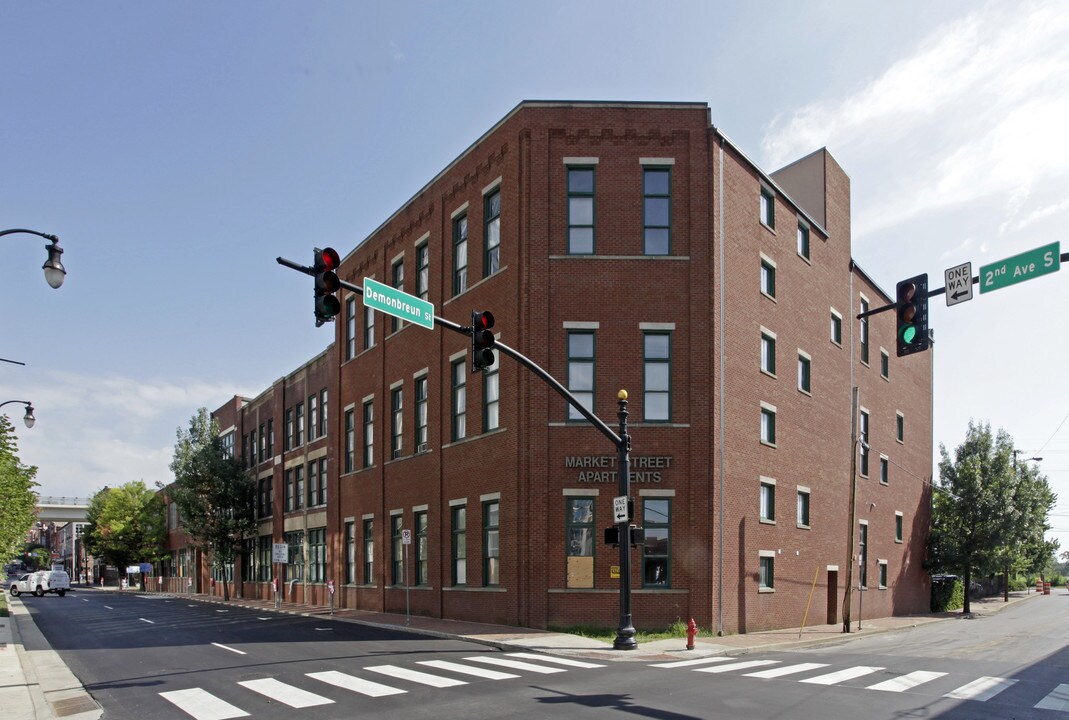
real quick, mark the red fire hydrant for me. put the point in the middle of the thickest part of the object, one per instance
(692, 632)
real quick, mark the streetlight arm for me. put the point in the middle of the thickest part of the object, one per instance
(46, 236)
(53, 267)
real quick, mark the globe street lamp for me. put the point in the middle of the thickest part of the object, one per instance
(53, 267)
(28, 418)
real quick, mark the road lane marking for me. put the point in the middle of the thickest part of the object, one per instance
(467, 669)
(906, 682)
(202, 705)
(150, 622)
(263, 618)
(842, 675)
(516, 665)
(222, 611)
(785, 670)
(416, 676)
(981, 690)
(688, 663)
(737, 666)
(285, 694)
(349, 682)
(553, 659)
(233, 650)
(1057, 700)
(109, 607)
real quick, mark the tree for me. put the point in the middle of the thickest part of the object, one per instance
(989, 515)
(18, 501)
(125, 525)
(213, 492)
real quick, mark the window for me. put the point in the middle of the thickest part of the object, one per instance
(300, 424)
(369, 328)
(768, 500)
(397, 566)
(245, 450)
(421, 414)
(459, 408)
(768, 208)
(422, 569)
(369, 551)
(252, 448)
(885, 364)
(657, 382)
(295, 541)
(805, 372)
(898, 527)
(298, 493)
(863, 554)
(264, 497)
(369, 434)
(579, 538)
(900, 427)
(492, 236)
(322, 412)
(317, 555)
(228, 445)
(270, 437)
(248, 560)
(580, 210)
(459, 546)
(423, 272)
(863, 440)
(350, 441)
(883, 470)
(492, 396)
(397, 424)
(350, 553)
(768, 352)
(313, 483)
(491, 544)
(768, 424)
(398, 276)
(766, 575)
(657, 210)
(803, 239)
(581, 371)
(883, 573)
(657, 546)
(768, 277)
(313, 416)
(323, 480)
(350, 328)
(289, 490)
(289, 429)
(265, 454)
(803, 507)
(863, 331)
(265, 566)
(460, 254)
(836, 328)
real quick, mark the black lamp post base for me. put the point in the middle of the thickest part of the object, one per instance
(625, 639)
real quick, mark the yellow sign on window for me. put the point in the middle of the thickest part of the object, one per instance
(614, 572)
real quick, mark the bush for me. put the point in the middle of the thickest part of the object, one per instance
(1018, 583)
(948, 593)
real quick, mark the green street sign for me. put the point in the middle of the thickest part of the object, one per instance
(399, 304)
(1027, 265)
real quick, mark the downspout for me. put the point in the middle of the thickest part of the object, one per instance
(720, 438)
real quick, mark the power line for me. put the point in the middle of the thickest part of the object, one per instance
(1054, 433)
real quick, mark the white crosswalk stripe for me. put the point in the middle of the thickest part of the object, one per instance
(983, 689)
(553, 659)
(202, 705)
(745, 665)
(906, 682)
(842, 675)
(515, 664)
(786, 670)
(285, 694)
(691, 663)
(350, 682)
(467, 669)
(1057, 700)
(415, 676)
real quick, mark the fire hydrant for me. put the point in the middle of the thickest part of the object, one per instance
(692, 632)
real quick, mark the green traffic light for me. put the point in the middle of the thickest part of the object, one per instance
(909, 333)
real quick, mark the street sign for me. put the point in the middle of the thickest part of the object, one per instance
(1027, 265)
(619, 509)
(280, 553)
(399, 304)
(146, 567)
(406, 537)
(958, 281)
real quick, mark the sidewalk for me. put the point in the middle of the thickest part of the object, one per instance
(35, 684)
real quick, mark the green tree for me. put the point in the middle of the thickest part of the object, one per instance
(18, 501)
(126, 525)
(213, 492)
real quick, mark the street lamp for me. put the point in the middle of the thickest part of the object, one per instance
(53, 267)
(28, 418)
(1021, 452)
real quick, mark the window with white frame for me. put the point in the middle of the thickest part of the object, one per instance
(768, 424)
(898, 526)
(766, 574)
(580, 210)
(581, 371)
(492, 396)
(768, 500)
(768, 277)
(884, 472)
(423, 271)
(882, 564)
(460, 400)
(768, 208)
(657, 210)
(805, 372)
(768, 352)
(492, 236)
(836, 327)
(900, 427)
(803, 239)
(460, 254)
(421, 413)
(657, 381)
(803, 507)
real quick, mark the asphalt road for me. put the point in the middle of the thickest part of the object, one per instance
(145, 657)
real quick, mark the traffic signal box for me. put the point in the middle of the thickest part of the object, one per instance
(482, 340)
(911, 301)
(327, 305)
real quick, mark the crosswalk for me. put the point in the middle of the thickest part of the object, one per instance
(979, 690)
(395, 680)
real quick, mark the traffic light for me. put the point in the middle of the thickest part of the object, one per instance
(912, 310)
(325, 262)
(482, 340)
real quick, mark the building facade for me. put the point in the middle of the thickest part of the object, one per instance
(620, 246)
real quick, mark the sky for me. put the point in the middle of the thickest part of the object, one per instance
(177, 149)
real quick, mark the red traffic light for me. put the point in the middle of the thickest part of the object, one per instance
(482, 340)
(326, 259)
(482, 320)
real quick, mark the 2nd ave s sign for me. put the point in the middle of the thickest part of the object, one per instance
(1027, 265)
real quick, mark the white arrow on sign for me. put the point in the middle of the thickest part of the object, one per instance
(619, 509)
(958, 283)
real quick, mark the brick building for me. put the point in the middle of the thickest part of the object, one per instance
(620, 246)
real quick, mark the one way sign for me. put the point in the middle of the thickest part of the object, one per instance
(959, 283)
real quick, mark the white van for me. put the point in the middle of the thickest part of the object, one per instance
(52, 581)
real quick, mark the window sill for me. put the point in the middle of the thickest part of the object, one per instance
(766, 590)
(898, 542)
(766, 521)
(805, 392)
(472, 588)
(766, 443)
(766, 226)
(803, 527)
(837, 343)
(770, 297)
(807, 260)
(769, 374)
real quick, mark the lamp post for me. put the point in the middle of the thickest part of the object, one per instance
(53, 267)
(28, 418)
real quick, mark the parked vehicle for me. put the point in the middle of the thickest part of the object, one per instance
(38, 583)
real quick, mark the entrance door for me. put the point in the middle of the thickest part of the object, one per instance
(833, 597)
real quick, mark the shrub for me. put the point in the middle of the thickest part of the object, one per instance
(1018, 583)
(948, 593)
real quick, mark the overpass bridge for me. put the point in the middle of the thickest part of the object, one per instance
(61, 509)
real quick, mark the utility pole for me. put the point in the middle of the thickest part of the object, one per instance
(853, 508)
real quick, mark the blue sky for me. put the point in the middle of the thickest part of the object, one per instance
(177, 149)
